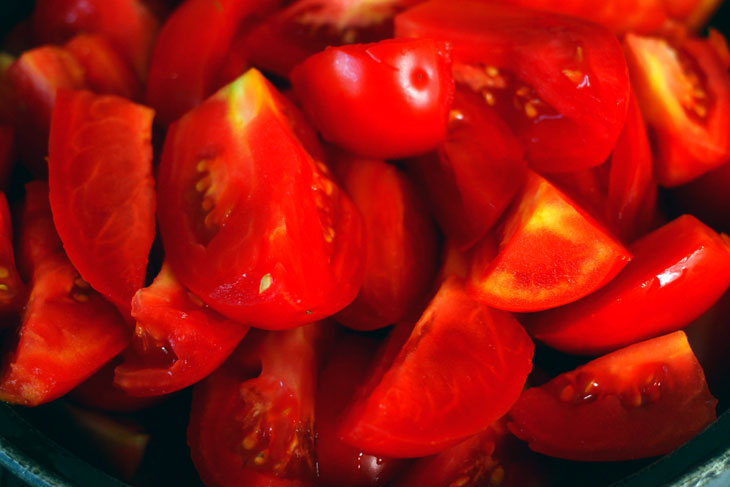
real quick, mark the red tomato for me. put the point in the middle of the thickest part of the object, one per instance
(400, 243)
(684, 93)
(177, 342)
(264, 250)
(678, 272)
(12, 289)
(306, 27)
(102, 190)
(104, 69)
(338, 463)
(619, 406)
(388, 100)
(560, 82)
(551, 253)
(127, 24)
(68, 331)
(413, 406)
(191, 50)
(476, 173)
(256, 429)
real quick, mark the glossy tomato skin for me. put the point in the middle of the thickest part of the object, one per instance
(264, 250)
(306, 27)
(678, 272)
(102, 190)
(476, 172)
(127, 24)
(251, 421)
(387, 100)
(550, 253)
(400, 242)
(683, 89)
(539, 70)
(68, 330)
(191, 49)
(178, 339)
(412, 405)
(337, 462)
(619, 406)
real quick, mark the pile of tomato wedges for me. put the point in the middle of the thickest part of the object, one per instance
(347, 225)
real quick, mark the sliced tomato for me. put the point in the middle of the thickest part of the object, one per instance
(678, 272)
(102, 190)
(559, 82)
(551, 253)
(389, 99)
(400, 243)
(477, 171)
(68, 330)
(98, 392)
(12, 289)
(264, 250)
(177, 342)
(127, 24)
(252, 420)
(306, 27)
(618, 406)
(105, 71)
(337, 462)
(683, 89)
(191, 50)
(413, 406)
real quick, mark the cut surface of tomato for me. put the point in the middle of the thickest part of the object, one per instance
(560, 82)
(678, 272)
(551, 253)
(264, 250)
(102, 190)
(641, 401)
(412, 405)
(389, 99)
(178, 340)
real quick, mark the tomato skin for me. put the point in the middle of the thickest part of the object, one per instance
(558, 58)
(127, 24)
(190, 51)
(68, 331)
(178, 340)
(476, 173)
(387, 100)
(105, 217)
(302, 257)
(678, 272)
(260, 405)
(684, 93)
(413, 406)
(618, 406)
(550, 253)
(401, 242)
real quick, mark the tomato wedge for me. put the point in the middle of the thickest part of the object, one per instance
(678, 272)
(559, 82)
(389, 99)
(252, 420)
(683, 89)
(177, 342)
(68, 330)
(264, 250)
(551, 253)
(413, 406)
(102, 190)
(400, 243)
(619, 406)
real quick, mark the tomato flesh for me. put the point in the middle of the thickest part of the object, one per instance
(267, 251)
(413, 406)
(619, 406)
(12, 288)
